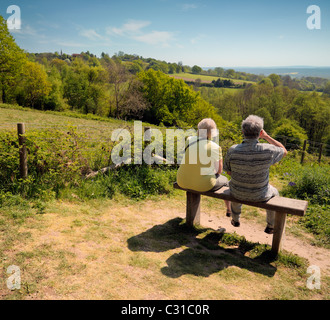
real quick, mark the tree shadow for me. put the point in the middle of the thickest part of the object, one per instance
(205, 253)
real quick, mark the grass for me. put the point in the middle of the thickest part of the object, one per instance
(144, 248)
(128, 248)
(204, 78)
(92, 125)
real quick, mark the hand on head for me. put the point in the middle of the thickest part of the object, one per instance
(263, 134)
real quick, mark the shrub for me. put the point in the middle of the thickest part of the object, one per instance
(133, 181)
(312, 184)
(139, 182)
(54, 160)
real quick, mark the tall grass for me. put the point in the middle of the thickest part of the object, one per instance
(136, 182)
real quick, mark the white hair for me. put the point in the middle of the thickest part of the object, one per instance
(252, 127)
(207, 128)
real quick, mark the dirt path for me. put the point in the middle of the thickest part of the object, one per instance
(254, 232)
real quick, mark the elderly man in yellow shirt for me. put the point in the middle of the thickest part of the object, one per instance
(202, 163)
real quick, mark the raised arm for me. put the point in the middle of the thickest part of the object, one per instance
(268, 138)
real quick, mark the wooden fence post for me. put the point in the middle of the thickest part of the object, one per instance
(22, 151)
(303, 153)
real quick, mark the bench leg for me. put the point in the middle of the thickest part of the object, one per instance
(193, 209)
(279, 228)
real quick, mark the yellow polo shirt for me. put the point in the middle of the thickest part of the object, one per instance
(198, 168)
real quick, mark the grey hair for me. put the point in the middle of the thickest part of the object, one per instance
(207, 128)
(252, 127)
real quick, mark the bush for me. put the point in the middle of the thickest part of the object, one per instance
(139, 182)
(59, 160)
(55, 159)
(133, 181)
(312, 184)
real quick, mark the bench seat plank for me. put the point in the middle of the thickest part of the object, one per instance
(278, 204)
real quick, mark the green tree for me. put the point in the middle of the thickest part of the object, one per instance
(169, 98)
(276, 79)
(84, 87)
(266, 81)
(230, 73)
(55, 100)
(12, 60)
(75, 89)
(313, 114)
(219, 71)
(173, 102)
(196, 70)
(34, 85)
(290, 133)
(159, 66)
(326, 89)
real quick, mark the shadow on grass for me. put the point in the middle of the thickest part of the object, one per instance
(206, 250)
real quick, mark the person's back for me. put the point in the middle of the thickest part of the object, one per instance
(194, 173)
(248, 165)
(202, 162)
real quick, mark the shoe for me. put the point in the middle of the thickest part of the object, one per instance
(235, 223)
(269, 230)
(228, 214)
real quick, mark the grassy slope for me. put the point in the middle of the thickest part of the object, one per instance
(204, 78)
(34, 119)
(121, 249)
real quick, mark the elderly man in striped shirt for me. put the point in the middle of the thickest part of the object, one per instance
(248, 165)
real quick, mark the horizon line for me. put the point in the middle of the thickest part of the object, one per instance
(272, 67)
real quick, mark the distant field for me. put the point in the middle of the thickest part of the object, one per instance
(204, 78)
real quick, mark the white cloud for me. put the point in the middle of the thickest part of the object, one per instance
(134, 29)
(91, 34)
(26, 29)
(155, 38)
(130, 28)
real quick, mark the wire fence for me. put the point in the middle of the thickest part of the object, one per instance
(305, 146)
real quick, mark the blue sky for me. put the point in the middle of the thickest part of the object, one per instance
(208, 33)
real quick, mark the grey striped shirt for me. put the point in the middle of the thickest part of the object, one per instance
(249, 164)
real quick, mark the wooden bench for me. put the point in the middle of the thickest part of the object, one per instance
(282, 206)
